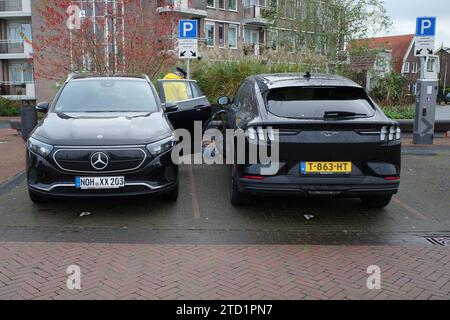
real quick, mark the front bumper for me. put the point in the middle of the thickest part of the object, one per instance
(159, 175)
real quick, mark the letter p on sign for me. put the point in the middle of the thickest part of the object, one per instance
(188, 29)
(426, 27)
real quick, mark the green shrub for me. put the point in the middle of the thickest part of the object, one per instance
(223, 78)
(388, 91)
(399, 112)
(9, 107)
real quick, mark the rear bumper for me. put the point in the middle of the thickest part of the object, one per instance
(347, 187)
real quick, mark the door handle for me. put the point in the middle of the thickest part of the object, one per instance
(199, 108)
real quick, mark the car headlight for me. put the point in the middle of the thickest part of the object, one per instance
(162, 146)
(39, 147)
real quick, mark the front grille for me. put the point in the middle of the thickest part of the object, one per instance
(79, 160)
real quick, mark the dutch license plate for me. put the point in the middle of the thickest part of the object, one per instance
(85, 183)
(325, 167)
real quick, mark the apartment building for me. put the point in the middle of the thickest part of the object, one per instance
(229, 24)
(16, 72)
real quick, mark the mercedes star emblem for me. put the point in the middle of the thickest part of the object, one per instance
(99, 160)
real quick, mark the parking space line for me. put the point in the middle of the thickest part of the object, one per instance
(195, 206)
(409, 209)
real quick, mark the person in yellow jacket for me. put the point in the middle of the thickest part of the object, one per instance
(174, 91)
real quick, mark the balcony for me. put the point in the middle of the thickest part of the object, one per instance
(15, 8)
(18, 91)
(188, 8)
(257, 15)
(15, 49)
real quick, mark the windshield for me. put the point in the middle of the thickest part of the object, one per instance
(319, 102)
(106, 95)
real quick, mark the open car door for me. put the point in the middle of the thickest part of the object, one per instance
(192, 103)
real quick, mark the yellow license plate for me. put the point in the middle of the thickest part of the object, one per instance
(325, 167)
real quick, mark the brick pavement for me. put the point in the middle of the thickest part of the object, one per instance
(116, 271)
(12, 154)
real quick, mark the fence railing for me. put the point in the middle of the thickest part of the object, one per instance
(257, 12)
(11, 5)
(16, 88)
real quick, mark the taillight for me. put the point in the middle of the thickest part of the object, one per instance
(383, 133)
(390, 133)
(261, 134)
(398, 133)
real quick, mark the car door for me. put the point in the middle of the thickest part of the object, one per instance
(193, 105)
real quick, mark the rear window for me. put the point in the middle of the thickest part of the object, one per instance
(106, 95)
(314, 102)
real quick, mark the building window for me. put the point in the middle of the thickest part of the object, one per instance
(221, 4)
(431, 65)
(221, 38)
(210, 34)
(414, 67)
(210, 3)
(406, 67)
(232, 5)
(232, 36)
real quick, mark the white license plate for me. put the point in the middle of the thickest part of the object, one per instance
(85, 183)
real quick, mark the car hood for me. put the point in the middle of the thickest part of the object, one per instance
(78, 129)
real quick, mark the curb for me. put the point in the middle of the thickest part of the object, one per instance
(442, 126)
(12, 183)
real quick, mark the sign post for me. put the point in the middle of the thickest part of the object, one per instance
(427, 85)
(188, 42)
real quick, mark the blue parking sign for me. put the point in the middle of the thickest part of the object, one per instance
(188, 29)
(426, 27)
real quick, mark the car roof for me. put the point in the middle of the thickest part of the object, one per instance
(87, 77)
(280, 80)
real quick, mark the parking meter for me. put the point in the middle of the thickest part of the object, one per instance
(426, 96)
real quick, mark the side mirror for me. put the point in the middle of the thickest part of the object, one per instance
(42, 107)
(170, 107)
(224, 101)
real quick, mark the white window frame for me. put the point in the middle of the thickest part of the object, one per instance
(236, 4)
(414, 67)
(406, 67)
(213, 6)
(213, 24)
(236, 28)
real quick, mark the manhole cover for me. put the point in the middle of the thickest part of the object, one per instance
(439, 241)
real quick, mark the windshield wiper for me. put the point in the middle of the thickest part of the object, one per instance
(342, 114)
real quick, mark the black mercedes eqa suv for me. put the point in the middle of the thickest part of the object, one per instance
(103, 137)
(334, 141)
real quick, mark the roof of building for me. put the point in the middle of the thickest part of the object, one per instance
(398, 45)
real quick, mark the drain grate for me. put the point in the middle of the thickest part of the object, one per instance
(439, 241)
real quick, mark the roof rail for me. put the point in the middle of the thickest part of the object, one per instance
(71, 76)
(146, 78)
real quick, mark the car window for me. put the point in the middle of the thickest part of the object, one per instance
(177, 90)
(196, 92)
(240, 98)
(106, 95)
(314, 102)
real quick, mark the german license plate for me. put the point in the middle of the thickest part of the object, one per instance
(325, 167)
(86, 183)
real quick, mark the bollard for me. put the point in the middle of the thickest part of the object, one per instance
(28, 118)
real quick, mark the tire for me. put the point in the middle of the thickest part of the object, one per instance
(237, 198)
(171, 195)
(37, 198)
(376, 202)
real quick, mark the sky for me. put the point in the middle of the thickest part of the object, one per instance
(404, 13)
